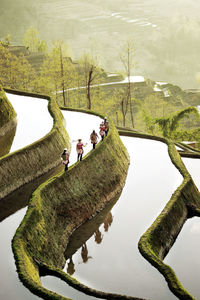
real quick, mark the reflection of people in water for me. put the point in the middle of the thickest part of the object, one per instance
(84, 253)
(70, 267)
(98, 236)
(108, 221)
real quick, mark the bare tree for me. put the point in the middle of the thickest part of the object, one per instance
(91, 77)
(121, 102)
(127, 59)
(92, 73)
(62, 75)
(124, 109)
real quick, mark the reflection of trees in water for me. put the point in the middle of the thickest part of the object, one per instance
(108, 221)
(70, 267)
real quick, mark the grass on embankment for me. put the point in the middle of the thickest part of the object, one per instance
(7, 112)
(8, 124)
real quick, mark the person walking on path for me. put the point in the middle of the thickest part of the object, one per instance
(79, 149)
(65, 159)
(93, 137)
(102, 130)
(106, 124)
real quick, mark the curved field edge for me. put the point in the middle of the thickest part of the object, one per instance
(156, 242)
(7, 112)
(188, 151)
(8, 123)
(28, 163)
(62, 204)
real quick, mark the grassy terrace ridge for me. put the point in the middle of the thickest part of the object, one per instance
(59, 206)
(7, 112)
(156, 242)
(28, 163)
(188, 151)
(8, 123)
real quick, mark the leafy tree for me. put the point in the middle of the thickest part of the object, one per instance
(16, 72)
(57, 71)
(32, 41)
(26, 75)
(149, 121)
(170, 124)
(42, 46)
(6, 40)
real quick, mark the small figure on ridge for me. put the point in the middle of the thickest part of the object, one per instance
(93, 137)
(106, 124)
(102, 130)
(79, 149)
(65, 158)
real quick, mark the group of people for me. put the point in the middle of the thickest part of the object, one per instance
(103, 131)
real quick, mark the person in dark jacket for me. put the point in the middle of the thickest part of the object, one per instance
(65, 159)
(106, 124)
(93, 137)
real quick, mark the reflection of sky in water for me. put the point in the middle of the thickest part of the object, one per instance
(183, 256)
(55, 284)
(11, 287)
(120, 266)
(34, 120)
(193, 167)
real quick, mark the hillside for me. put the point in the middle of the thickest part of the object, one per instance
(165, 34)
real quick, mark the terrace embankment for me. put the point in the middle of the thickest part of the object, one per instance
(62, 204)
(156, 242)
(159, 238)
(24, 165)
(8, 124)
